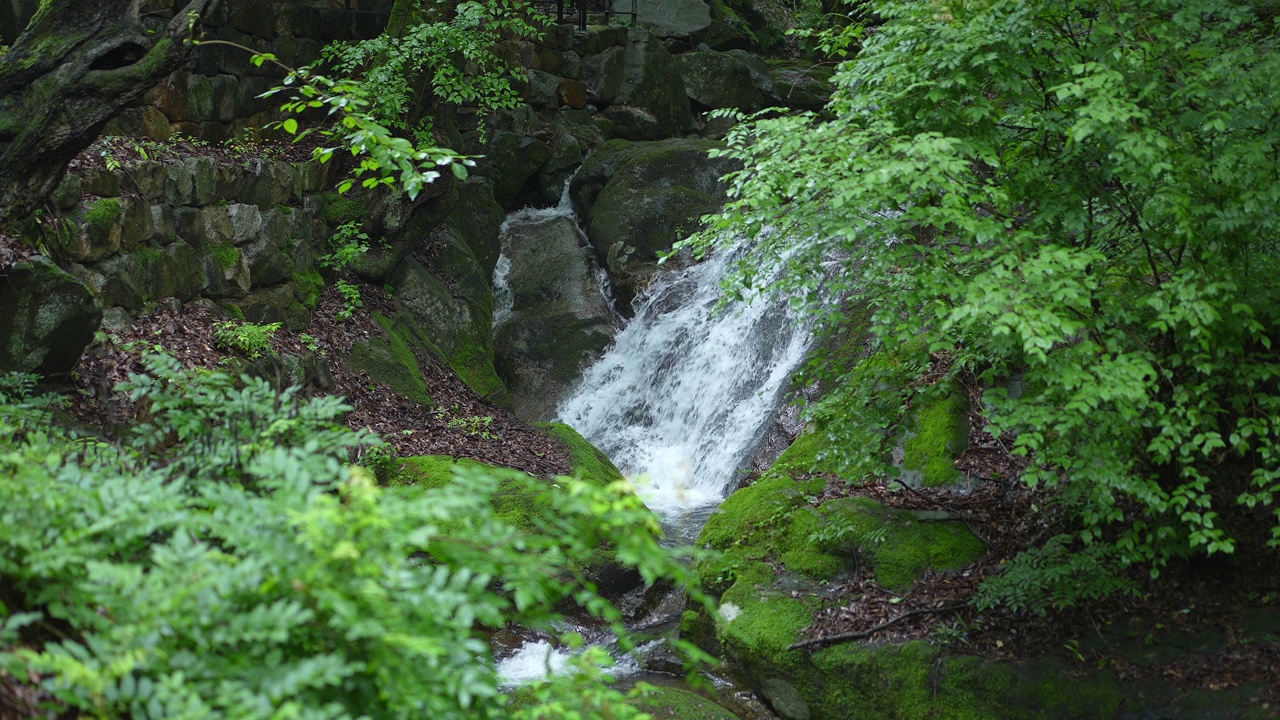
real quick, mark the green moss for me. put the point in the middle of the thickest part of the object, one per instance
(753, 514)
(939, 435)
(589, 462)
(474, 364)
(228, 256)
(900, 544)
(310, 286)
(342, 209)
(102, 214)
(393, 362)
(669, 703)
(517, 509)
(801, 555)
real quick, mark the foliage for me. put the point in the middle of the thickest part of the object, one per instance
(474, 425)
(252, 339)
(347, 243)
(1082, 196)
(457, 56)
(224, 560)
(351, 301)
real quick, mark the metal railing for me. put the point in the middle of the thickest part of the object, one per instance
(565, 11)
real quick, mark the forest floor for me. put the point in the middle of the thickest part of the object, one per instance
(412, 428)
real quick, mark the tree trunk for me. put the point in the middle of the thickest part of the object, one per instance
(78, 64)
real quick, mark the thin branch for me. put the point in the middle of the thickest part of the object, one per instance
(864, 634)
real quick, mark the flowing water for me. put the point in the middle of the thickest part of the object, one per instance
(680, 401)
(683, 397)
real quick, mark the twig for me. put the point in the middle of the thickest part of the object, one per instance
(863, 634)
(960, 515)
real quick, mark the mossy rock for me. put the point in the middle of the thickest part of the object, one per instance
(392, 361)
(900, 545)
(669, 703)
(752, 515)
(49, 318)
(589, 462)
(937, 433)
(342, 209)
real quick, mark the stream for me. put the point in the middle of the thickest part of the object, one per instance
(680, 402)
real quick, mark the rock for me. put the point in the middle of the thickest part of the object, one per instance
(671, 703)
(455, 322)
(276, 304)
(200, 103)
(49, 319)
(477, 218)
(559, 322)
(68, 193)
(566, 156)
(542, 89)
(599, 38)
(728, 29)
(145, 122)
(226, 272)
(266, 183)
(668, 18)
(720, 80)
(269, 260)
(246, 222)
(636, 199)
(573, 93)
(802, 86)
(512, 161)
(136, 223)
(602, 74)
(150, 177)
(651, 81)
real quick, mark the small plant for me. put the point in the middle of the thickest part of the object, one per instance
(348, 242)
(350, 293)
(309, 342)
(474, 425)
(252, 339)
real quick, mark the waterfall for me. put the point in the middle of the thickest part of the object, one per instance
(682, 398)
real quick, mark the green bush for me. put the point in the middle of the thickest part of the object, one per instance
(223, 559)
(1076, 204)
(252, 339)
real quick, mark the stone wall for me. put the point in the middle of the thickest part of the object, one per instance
(244, 234)
(216, 95)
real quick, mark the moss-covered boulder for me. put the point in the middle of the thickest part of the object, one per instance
(670, 703)
(641, 80)
(803, 86)
(511, 164)
(448, 310)
(49, 318)
(558, 323)
(477, 218)
(936, 432)
(637, 199)
(719, 80)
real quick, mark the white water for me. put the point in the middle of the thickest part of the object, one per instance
(685, 393)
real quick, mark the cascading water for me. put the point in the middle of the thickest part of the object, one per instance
(684, 395)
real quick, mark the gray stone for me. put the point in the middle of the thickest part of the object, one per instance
(204, 179)
(68, 193)
(254, 17)
(49, 318)
(144, 121)
(571, 67)
(136, 224)
(785, 699)
(802, 86)
(636, 199)
(512, 161)
(246, 222)
(199, 227)
(177, 187)
(669, 18)
(266, 183)
(276, 304)
(720, 80)
(597, 39)
(150, 177)
(542, 89)
(651, 81)
(226, 273)
(100, 181)
(477, 218)
(559, 323)
(603, 74)
(566, 156)
(226, 97)
(163, 223)
(200, 102)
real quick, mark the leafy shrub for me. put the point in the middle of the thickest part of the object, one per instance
(1080, 197)
(252, 339)
(224, 560)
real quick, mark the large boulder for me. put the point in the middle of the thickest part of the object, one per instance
(446, 307)
(641, 83)
(49, 318)
(721, 80)
(802, 85)
(512, 165)
(559, 323)
(668, 18)
(637, 199)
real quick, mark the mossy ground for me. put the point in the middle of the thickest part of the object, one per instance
(669, 703)
(939, 433)
(589, 463)
(392, 361)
